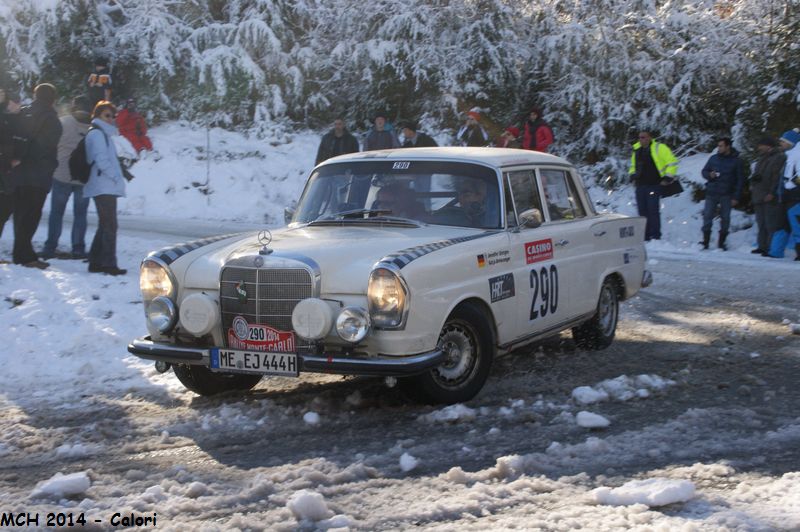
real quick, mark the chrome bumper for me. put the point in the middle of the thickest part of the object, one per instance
(381, 366)
(647, 279)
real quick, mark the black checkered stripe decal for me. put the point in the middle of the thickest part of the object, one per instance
(404, 257)
(170, 255)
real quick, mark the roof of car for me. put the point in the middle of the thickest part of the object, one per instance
(492, 156)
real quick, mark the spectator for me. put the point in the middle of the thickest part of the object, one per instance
(790, 187)
(106, 183)
(75, 125)
(724, 175)
(99, 82)
(764, 189)
(472, 133)
(9, 129)
(132, 126)
(651, 162)
(413, 139)
(337, 141)
(509, 138)
(537, 135)
(33, 177)
(380, 137)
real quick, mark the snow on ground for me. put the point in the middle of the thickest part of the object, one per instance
(66, 332)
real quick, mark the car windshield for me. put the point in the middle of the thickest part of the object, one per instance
(431, 192)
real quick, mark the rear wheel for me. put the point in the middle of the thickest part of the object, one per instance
(203, 381)
(599, 331)
(468, 342)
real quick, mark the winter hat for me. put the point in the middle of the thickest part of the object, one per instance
(513, 130)
(475, 115)
(791, 137)
(409, 124)
(767, 141)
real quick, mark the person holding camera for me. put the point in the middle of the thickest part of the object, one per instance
(724, 175)
(764, 191)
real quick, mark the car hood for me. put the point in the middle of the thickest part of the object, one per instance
(345, 254)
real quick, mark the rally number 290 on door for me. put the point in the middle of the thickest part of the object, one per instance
(422, 264)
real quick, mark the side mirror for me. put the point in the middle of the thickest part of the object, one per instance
(288, 212)
(530, 219)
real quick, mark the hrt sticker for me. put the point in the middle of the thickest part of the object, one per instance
(501, 287)
(538, 251)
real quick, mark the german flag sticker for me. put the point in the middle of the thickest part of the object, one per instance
(481, 261)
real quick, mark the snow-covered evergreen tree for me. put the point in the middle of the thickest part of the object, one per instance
(601, 69)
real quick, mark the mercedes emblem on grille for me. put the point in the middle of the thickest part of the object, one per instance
(264, 238)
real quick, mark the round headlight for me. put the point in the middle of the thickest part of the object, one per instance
(352, 324)
(387, 298)
(161, 314)
(155, 280)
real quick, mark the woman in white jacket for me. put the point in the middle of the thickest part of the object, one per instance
(106, 183)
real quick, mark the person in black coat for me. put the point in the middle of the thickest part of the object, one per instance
(9, 140)
(337, 141)
(412, 139)
(33, 177)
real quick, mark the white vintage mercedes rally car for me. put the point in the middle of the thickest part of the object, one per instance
(422, 264)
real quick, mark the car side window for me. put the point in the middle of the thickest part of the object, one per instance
(526, 196)
(563, 201)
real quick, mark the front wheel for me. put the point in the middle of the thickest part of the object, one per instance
(468, 341)
(203, 381)
(599, 331)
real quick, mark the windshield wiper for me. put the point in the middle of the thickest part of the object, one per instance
(354, 213)
(374, 216)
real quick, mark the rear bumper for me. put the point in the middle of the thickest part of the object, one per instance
(381, 366)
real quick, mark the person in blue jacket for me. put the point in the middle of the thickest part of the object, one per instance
(724, 175)
(106, 183)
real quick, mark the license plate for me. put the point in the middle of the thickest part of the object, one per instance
(261, 362)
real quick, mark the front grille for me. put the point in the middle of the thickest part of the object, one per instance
(272, 294)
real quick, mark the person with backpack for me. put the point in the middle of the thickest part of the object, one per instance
(75, 126)
(33, 176)
(106, 183)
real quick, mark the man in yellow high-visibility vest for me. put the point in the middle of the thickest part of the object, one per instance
(651, 162)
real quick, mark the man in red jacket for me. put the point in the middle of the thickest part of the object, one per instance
(538, 136)
(132, 126)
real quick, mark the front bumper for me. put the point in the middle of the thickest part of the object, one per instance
(381, 366)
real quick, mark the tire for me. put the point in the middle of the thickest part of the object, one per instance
(599, 331)
(469, 340)
(203, 381)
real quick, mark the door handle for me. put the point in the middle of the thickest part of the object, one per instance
(601, 233)
(562, 242)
